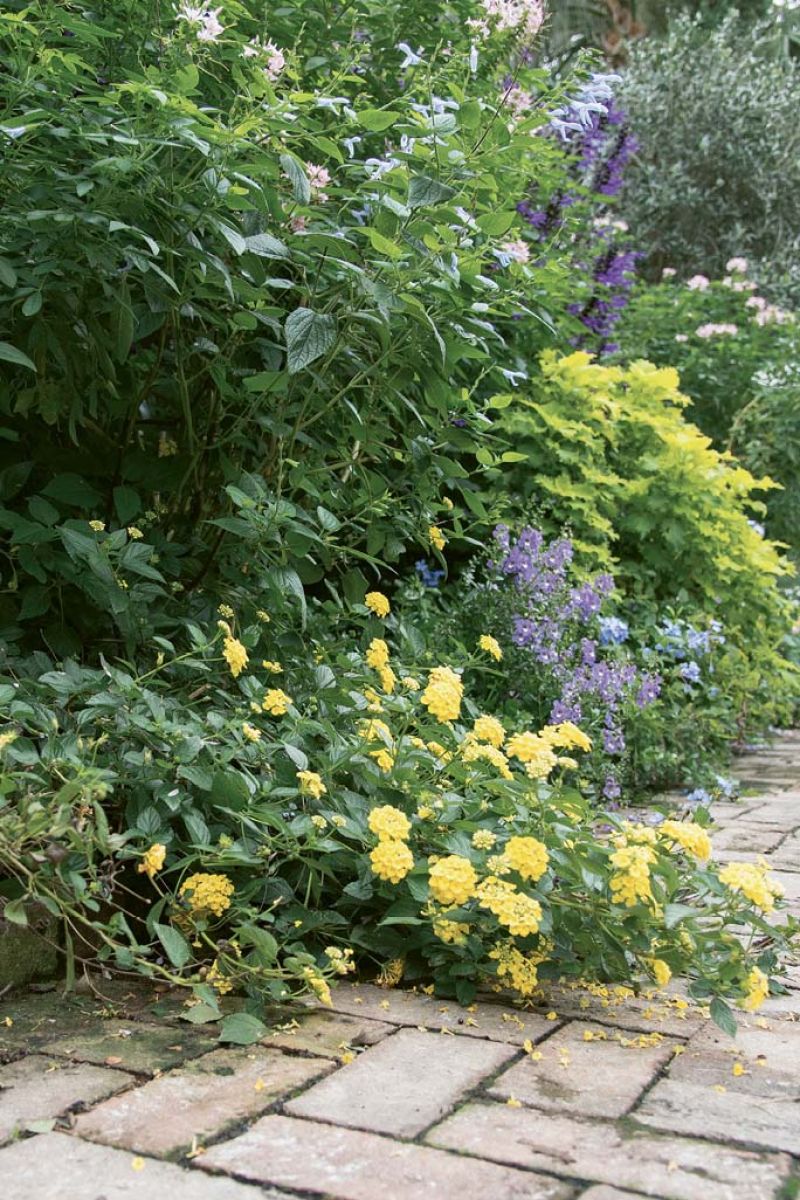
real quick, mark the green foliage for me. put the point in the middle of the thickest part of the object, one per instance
(186, 824)
(736, 356)
(609, 454)
(717, 171)
(232, 278)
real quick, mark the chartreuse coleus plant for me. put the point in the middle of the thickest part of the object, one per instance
(237, 822)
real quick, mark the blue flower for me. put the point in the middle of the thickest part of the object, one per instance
(613, 631)
(698, 796)
(689, 672)
(428, 576)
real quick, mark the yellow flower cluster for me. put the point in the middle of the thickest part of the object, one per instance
(374, 730)
(752, 881)
(311, 784)
(519, 913)
(152, 860)
(442, 696)
(389, 823)
(491, 646)
(452, 880)
(454, 933)
(377, 654)
(631, 882)
(479, 752)
(251, 733)
(318, 985)
(383, 758)
(483, 839)
(436, 537)
(234, 654)
(567, 736)
(528, 857)
(276, 702)
(690, 837)
(661, 971)
(377, 603)
(207, 893)
(489, 729)
(273, 667)
(757, 985)
(391, 860)
(341, 960)
(410, 683)
(517, 968)
(214, 977)
(534, 751)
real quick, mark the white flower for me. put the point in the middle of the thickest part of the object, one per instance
(411, 59)
(517, 251)
(207, 21)
(736, 264)
(722, 329)
(668, 273)
(698, 283)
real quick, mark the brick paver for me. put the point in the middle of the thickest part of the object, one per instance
(39, 1089)
(350, 1165)
(194, 1104)
(404, 1083)
(669, 1167)
(57, 1167)
(587, 1069)
(398, 1095)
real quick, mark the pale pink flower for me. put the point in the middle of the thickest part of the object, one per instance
(668, 273)
(318, 178)
(297, 224)
(525, 15)
(205, 19)
(517, 251)
(755, 302)
(274, 56)
(723, 329)
(736, 264)
(681, 337)
(518, 100)
(698, 283)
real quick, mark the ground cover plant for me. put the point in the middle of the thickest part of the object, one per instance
(284, 322)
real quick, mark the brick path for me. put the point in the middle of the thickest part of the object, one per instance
(593, 1096)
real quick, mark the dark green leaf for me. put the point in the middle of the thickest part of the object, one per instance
(308, 336)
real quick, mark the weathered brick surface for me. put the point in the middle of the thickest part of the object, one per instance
(769, 1057)
(216, 1091)
(494, 1021)
(344, 1164)
(679, 1107)
(38, 1088)
(601, 1077)
(665, 1013)
(753, 839)
(404, 1083)
(787, 856)
(133, 1045)
(667, 1167)
(55, 1166)
(326, 1033)
(602, 1191)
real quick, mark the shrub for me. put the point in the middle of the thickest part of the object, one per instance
(222, 825)
(736, 354)
(257, 279)
(607, 453)
(717, 172)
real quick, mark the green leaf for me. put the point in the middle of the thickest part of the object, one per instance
(301, 188)
(229, 790)
(424, 192)
(200, 1014)
(722, 1015)
(15, 912)
(8, 275)
(176, 947)
(242, 1029)
(382, 244)
(261, 941)
(266, 246)
(127, 504)
(496, 223)
(9, 353)
(308, 336)
(675, 913)
(377, 119)
(32, 304)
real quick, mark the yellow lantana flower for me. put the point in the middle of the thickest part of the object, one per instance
(389, 823)
(436, 537)
(311, 784)
(442, 696)
(491, 646)
(207, 893)
(152, 860)
(377, 603)
(276, 702)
